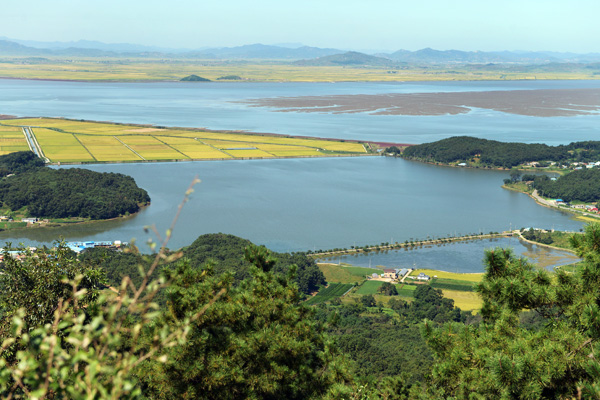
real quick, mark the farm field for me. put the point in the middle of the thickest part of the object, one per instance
(449, 275)
(115, 69)
(68, 141)
(451, 284)
(468, 301)
(406, 290)
(332, 291)
(11, 140)
(369, 287)
(345, 273)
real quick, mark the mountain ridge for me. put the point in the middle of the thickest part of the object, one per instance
(303, 55)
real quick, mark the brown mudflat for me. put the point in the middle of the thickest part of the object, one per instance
(536, 103)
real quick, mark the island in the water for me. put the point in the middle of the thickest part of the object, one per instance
(34, 195)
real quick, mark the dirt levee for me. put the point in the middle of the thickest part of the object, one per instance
(538, 103)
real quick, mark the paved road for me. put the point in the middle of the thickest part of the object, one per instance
(542, 201)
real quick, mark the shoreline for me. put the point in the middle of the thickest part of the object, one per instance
(61, 163)
(63, 224)
(544, 203)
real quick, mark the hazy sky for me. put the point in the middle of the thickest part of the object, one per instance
(556, 25)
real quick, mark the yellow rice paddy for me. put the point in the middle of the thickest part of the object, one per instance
(68, 141)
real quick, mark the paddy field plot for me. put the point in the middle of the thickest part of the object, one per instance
(74, 141)
(11, 140)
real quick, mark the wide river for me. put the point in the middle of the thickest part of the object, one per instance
(301, 204)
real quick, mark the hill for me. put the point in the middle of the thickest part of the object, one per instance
(226, 251)
(350, 58)
(485, 152)
(194, 78)
(580, 185)
(261, 51)
(64, 193)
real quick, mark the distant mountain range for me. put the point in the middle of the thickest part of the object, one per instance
(297, 53)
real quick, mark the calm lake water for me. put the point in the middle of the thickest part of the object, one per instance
(301, 204)
(291, 205)
(461, 257)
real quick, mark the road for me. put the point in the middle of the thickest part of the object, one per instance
(542, 201)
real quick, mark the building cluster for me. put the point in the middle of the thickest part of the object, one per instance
(397, 273)
(573, 165)
(16, 254)
(78, 247)
(394, 274)
(584, 207)
(28, 220)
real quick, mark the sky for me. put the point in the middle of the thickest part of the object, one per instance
(387, 25)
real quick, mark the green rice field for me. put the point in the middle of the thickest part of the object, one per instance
(369, 287)
(331, 292)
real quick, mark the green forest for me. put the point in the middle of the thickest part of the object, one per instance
(492, 153)
(225, 319)
(63, 193)
(581, 185)
(224, 251)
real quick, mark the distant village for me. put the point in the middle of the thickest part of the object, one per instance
(398, 275)
(77, 247)
(582, 207)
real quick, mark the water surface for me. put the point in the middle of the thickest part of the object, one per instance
(460, 257)
(301, 204)
(215, 105)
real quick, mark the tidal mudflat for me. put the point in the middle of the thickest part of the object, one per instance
(535, 103)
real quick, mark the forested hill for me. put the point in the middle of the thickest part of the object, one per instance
(581, 185)
(63, 193)
(20, 161)
(491, 152)
(227, 252)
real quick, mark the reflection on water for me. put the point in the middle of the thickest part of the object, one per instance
(462, 257)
